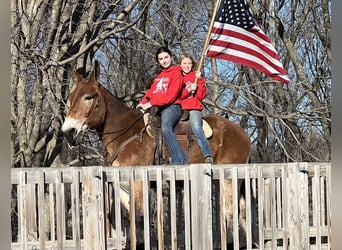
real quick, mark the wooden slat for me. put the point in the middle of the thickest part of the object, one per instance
(93, 212)
(187, 215)
(328, 195)
(52, 211)
(288, 199)
(208, 228)
(273, 210)
(223, 229)
(160, 222)
(285, 209)
(59, 210)
(279, 202)
(42, 210)
(304, 209)
(117, 209)
(248, 211)
(173, 209)
(75, 205)
(132, 212)
(200, 176)
(146, 212)
(261, 208)
(235, 209)
(253, 221)
(22, 210)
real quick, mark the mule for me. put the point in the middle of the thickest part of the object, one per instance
(122, 131)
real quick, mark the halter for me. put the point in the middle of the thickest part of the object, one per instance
(120, 132)
(93, 107)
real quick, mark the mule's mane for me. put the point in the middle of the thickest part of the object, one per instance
(113, 101)
(119, 117)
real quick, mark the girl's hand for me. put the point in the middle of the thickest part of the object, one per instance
(193, 87)
(144, 106)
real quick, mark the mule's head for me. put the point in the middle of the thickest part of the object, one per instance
(87, 109)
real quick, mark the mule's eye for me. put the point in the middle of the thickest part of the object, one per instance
(88, 98)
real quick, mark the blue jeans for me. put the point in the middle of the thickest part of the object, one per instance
(169, 117)
(196, 126)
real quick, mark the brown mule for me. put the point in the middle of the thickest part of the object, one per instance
(122, 132)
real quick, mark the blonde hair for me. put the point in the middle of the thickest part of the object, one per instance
(183, 56)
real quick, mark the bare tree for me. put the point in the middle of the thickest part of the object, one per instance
(49, 37)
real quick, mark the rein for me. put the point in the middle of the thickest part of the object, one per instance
(121, 132)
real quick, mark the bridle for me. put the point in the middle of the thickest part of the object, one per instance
(121, 132)
(118, 132)
(93, 107)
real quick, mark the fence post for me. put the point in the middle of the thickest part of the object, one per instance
(93, 210)
(298, 206)
(201, 207)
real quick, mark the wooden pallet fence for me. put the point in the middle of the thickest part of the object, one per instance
(284, 206)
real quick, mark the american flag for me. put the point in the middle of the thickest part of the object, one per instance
(237, 37)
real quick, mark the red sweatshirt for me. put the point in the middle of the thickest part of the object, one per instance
(166, 88)
(189, 101)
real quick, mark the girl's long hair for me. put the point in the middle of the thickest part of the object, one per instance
(187, 56)
(161, 50)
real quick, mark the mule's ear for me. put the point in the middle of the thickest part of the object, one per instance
(75, 76)
(96, 72)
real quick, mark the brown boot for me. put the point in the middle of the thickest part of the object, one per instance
(209, 160)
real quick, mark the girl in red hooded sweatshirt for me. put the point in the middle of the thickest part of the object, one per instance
(165, 93)
(191, 100)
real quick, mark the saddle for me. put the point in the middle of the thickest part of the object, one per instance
(182, 130)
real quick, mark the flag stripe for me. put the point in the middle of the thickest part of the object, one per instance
(236, 37)
(264, 60)
(247, 60)
(240, 42)
(253, 38)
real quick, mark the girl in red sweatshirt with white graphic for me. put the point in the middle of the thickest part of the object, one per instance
(191, 100)
(165, 93)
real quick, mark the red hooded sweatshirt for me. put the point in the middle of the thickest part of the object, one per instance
(166, 88)
(193, 101)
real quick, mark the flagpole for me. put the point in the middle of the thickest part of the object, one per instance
(200, 64)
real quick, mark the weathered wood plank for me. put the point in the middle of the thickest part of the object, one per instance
(261, 198)
(60, 218)
(223, 228)
(160, 222)
(173, 209)
(200, 176)
(248, 212)
(117, 210)
(285, 210)
(187, 214)
(146, 211)
(22, 210)
(75, 205)
(236, 189)
(285, 218)
(132, 227)
(93, 212)
(42, 210)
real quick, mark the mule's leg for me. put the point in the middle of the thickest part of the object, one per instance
(230, 204)
(139, 213)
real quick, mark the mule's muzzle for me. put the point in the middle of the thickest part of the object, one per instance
(73, 136)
